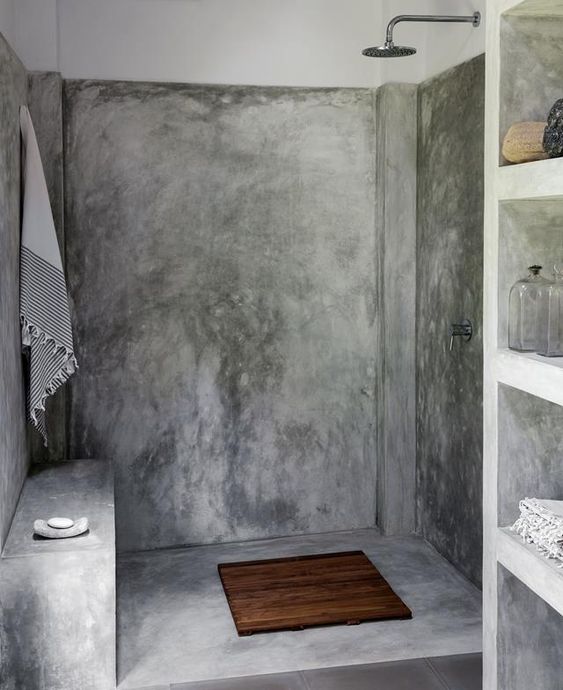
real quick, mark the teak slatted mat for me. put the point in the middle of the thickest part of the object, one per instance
(306, 591)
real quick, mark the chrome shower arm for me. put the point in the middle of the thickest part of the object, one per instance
(474, 19)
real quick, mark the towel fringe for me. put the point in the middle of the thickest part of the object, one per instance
(33, 334)
(538, 525)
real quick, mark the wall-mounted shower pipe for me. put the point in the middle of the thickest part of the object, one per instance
(391, 50)
(474, 19)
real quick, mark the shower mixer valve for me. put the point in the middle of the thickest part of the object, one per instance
(463, 329)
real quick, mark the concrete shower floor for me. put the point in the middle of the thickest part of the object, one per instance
(174, 624)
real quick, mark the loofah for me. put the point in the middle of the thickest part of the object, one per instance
(524, 142)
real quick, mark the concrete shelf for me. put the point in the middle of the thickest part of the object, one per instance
(531, 373)
(523, 393)
(524, 561)
(537, 180)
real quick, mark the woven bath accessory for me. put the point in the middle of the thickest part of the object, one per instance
(44, 529)
(524, 143)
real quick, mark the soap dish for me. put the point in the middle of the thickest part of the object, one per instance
(41, 528)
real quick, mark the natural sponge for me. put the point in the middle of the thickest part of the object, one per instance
(524, 142)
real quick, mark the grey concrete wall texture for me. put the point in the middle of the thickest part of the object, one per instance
(13, 444)
(530, 638)
(449, 288)
(531, 451)
(222, 260)
(45, 105)
(396, 118)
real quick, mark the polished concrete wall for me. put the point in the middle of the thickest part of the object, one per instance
(449, 288)
(530, 638)
(531, 451)
(222, 259)
(13, 444)
(396, 117)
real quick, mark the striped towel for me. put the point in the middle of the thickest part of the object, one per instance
(44, 312)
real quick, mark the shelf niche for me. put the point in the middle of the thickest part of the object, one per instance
(531, 232)
(530, 451)
(530, 638)
(531, 63)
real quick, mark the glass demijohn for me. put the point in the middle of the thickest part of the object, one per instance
(550, 339)
(523, 322)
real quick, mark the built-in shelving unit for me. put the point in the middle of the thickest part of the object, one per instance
(537, 180)
(532, 374)
(523, 406)
(541, 575)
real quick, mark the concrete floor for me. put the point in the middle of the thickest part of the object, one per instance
(174, 624)
(462, 672)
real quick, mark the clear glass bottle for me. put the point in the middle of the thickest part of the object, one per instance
(523, 322)
(550, 338)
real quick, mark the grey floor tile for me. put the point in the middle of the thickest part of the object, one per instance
(414, 674)
(461, 672)
(278, 681)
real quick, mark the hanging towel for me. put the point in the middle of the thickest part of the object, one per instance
(44, 313)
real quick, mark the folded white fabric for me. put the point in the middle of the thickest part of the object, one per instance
(44, 313)
(541, 523)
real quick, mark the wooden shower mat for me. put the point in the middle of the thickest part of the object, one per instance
(306, 591)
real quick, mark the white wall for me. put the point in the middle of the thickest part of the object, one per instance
(296, 42)
(439, 46)
(7, 19)
(36, 34)
(277, 42)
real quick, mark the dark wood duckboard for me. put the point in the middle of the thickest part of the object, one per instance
(308, 591)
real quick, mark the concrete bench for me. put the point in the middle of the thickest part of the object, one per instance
(57, 597)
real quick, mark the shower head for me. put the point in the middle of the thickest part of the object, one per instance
(389, 49)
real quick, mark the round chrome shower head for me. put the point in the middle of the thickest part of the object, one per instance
(389, 50)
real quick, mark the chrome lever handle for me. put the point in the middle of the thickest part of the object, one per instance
(463, 329)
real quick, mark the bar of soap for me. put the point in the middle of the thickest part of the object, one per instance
(60, 523)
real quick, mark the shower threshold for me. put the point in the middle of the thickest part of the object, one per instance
(175, 626)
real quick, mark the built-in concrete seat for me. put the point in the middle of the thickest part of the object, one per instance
(57, 597)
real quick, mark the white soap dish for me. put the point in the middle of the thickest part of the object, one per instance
(56, 528)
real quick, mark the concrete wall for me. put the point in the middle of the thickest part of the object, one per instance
(396, 116)
(449, 288)
(222, 260)
(13, 446)
(531, 451)
(530, 638)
